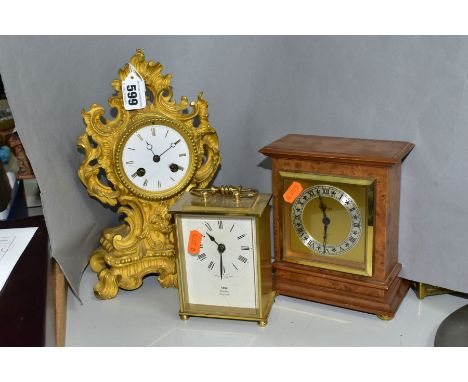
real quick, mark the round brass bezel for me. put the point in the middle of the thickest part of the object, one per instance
(193, 160)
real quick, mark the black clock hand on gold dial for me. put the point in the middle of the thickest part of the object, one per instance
(325, 221)
(325, 228)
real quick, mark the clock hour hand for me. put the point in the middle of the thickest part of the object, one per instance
(212, 238)
(221, 248)
(149, 147)
(322, 207)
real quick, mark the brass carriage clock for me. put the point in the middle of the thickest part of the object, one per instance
(224, 254)
(148, 155)
(336, 204)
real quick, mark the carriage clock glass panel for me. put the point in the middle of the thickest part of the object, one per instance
(330, 222)
(224, 271)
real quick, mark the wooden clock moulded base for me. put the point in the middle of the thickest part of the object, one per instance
(357, 293)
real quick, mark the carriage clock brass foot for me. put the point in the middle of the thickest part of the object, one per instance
(262, 323)
(385, 317)
(423, 290)
(184, 317)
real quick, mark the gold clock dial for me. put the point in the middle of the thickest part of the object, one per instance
(330, 223)
(327, 220)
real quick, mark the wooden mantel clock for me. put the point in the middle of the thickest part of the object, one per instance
(336, 206)
(141, 162)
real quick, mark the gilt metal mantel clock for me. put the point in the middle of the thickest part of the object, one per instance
(141, 162)
(336, 205)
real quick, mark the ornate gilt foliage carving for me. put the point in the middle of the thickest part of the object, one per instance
(144, 243)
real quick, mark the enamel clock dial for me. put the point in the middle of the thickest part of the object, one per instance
(156, 160)
(223, 273)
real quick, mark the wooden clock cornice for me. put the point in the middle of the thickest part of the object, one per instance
(144, 244)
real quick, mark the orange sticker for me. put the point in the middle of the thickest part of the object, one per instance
(194, 242)
(292, 192)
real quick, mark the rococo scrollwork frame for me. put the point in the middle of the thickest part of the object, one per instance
(144, 243)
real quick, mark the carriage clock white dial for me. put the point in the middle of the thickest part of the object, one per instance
(224, 272)
(155, 158)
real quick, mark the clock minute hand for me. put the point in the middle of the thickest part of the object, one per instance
(326, 221)
(220, 262)
(173, 144)
(221, 248)
(325, 228)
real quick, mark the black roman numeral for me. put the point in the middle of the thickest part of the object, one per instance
(140, 137)
(241, 236)
(167, 132)
(202, 256)
(232, 227)
(211, 265)
(134, 175)
(242, 258)
(220, 224)
(153, 131)
(182, 155)
(159, 184)
(145, 183)
(245, 248)
(209, 227)
(235, 267)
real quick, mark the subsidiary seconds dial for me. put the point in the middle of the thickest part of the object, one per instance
(332, 224)
(155, 158)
